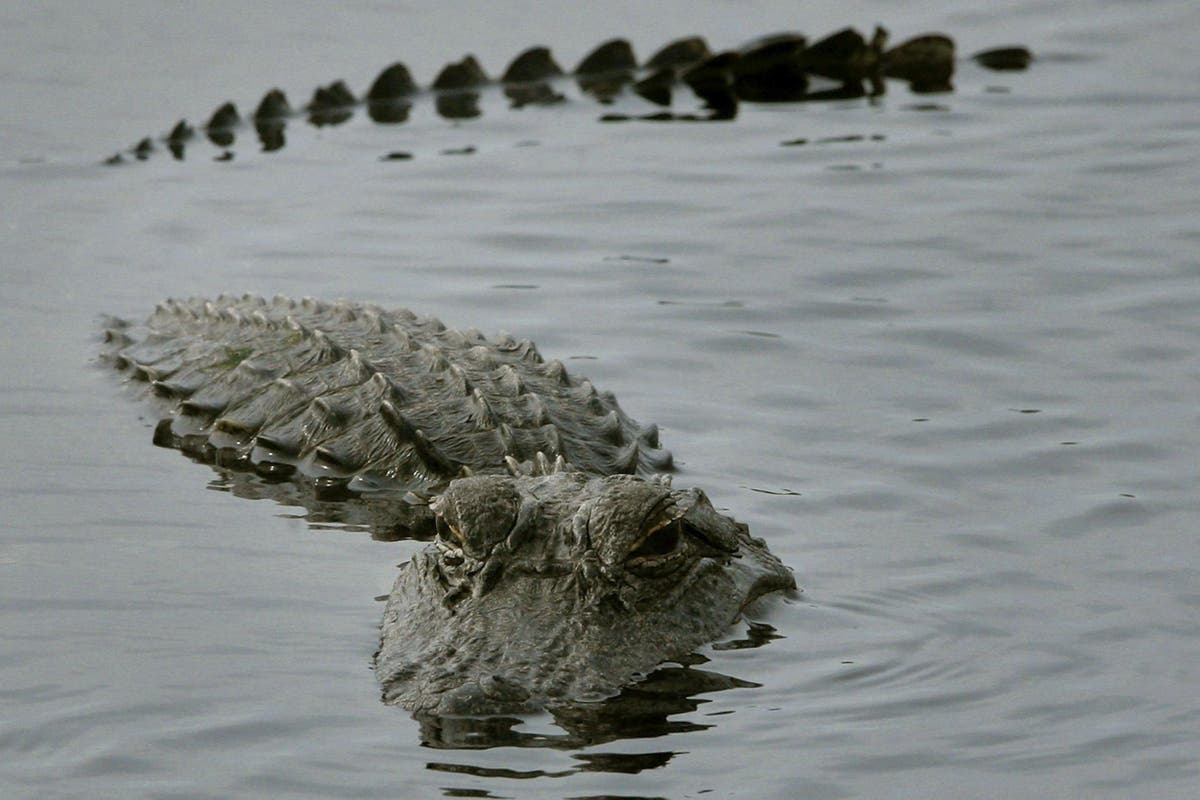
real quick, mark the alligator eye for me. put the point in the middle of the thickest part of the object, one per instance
(449, 542)
(448, 532)
(661, 541)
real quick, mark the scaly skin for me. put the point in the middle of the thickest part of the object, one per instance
(543, 591)
(368, 400)
(563, 567)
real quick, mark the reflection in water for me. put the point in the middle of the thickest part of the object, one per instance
(178, 137)
(331, 105)
(270, 119)
(458, 105)
(388, 113)
(527, 81)
(221, 125)
(605, 71)
(773, 69)
(386, 517)
(927, 63)
(270, 134)
(642, 711)
(389, 98)
(457, 89)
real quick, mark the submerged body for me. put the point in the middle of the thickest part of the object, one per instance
(563, 567)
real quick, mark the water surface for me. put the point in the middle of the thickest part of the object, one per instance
(942, 355)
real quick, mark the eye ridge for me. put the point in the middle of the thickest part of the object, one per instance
(449, 532)
(663, 540)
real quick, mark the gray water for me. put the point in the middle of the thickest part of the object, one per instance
(942, 356)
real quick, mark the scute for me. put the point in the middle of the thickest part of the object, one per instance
(347, 387)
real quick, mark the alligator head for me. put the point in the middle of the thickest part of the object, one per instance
(559, 589)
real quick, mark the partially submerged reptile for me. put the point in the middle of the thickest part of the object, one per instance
(564, 565)
(779, 68)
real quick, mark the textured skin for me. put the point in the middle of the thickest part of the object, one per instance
(560, 572)
(368, 399)
(543, 591)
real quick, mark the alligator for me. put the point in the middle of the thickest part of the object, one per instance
(782, 67)
(563, 564)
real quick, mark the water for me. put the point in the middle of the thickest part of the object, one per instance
(942, 356)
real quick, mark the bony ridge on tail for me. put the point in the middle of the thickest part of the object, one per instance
(782, 67)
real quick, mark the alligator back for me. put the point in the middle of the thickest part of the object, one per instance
(362, 400)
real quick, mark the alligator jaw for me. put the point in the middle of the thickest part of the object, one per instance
(564, 613)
